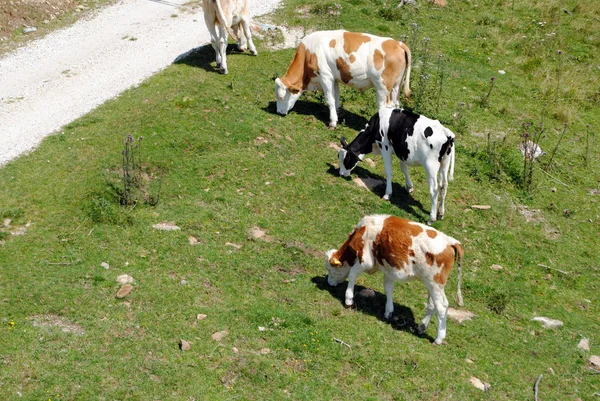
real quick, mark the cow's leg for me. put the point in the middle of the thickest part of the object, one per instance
(388, 286)
(432, 181)
(214, 39)
(352, 275)
(329, 93)
(428, 314)
(387, 165)
(441, 310)
(336, 94)
(409, 185)
(248, 36)
(443, 189)
(222, 44)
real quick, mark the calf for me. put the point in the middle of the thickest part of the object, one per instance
(415, 140)
(323, 59)
(221, 16)
(403, 251)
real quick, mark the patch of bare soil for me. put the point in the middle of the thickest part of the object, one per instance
(535, 216)
(62, 323)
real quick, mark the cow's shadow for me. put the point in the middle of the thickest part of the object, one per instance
(400, 196)
(321, 112)
(204, 57)
(373, 304)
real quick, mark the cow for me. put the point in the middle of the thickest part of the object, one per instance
(225, 17)
(415, 139)
(402, 250)
(323, 59)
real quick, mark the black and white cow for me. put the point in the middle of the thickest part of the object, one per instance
(415, 139)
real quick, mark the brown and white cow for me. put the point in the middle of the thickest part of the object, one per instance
(402, 250)
(223, 17)
(323, 59)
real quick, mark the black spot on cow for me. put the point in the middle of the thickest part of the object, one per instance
(428, 132)
(402, 125)
(431, 146)
(386, 148)
(446, 148)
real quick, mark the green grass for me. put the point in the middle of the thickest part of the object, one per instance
(200, 130)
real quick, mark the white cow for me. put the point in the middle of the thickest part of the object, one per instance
(323, 59)
(223, 17)
(402, 250)
(416, 140)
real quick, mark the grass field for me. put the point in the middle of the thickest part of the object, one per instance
(217, 162)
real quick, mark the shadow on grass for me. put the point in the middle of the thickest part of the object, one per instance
(204, 57)
(321, 112)
(400, 196)
(402, 318)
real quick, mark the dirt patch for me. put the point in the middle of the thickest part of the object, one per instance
(57, 321)
(535, 216)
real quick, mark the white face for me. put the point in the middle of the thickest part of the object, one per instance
(335, 275)
(344, 172)
(285, 99)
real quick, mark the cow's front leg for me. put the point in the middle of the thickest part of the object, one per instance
(409, 185)
(388, 286)
(386, 154)
(248, 35)
(349, 296)
(222, 49)
(329, 93)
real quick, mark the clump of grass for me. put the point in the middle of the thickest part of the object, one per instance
(497, 302)
(548, 166)
(530, 139)
(485, 101)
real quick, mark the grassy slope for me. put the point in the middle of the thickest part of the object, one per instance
(200, 129)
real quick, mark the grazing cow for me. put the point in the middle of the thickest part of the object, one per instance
(403, 251)
(223, 17)
(323, 59)
(415, 139)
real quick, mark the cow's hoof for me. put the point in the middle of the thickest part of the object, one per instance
(331, 126)
(411, 190)
(224, 71)
(386, 198)
(430, 222)
(348, 306)
(438, 341)
(254, 52)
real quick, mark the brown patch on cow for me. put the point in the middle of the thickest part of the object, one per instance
(429, 258)
(431, 233)
(303, 68)
(378, 59)
(394, 242)
(352, 58)
(352, 248)
(344, 70)
(445, 261)
(411, 253)
(394, 63)
(332, 43)
(354, 40)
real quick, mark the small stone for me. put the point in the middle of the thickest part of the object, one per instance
(481, 207)
(261, 328)
(479, 384)
(501, 72)
(166, 226)
(460, 315)
(105, 265)
(496, 267)
(553, 189)
(201, 316)
(219, 335)
(469, 361)
(125, 279)
(7, 222)
(235, 350)
(193, 240)
(184, 345)
(595, 363)
(231, 244)
(547, 322)
(124, 291)
(29, 29)
(183, 282)
(265, 351)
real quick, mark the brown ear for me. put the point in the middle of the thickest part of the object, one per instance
(335, 262)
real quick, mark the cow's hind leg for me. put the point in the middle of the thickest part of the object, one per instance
(222, 45)
(428, 315)
(214, 38)
(329, 94)
(443, 187)
(388, 286)
(409, 185)
(432, 181)
(248, 37)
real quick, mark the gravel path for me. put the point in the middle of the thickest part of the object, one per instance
(63, 76)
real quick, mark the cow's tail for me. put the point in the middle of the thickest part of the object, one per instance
(223, 21)
(458, 259)
(408, 62)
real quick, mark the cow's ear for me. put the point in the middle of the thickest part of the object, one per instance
(335, 262)
(343, 142)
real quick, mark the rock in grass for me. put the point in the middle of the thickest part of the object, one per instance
(125, 279)
(166, 226)
(479, 384)
(481, 207)
(496, 267)
(594, 363)
(124, 291)
(219, 335)
(184, 345)
(584, 344)
(105, 265)
(547, 322)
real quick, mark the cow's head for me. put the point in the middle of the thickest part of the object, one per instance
(285, 97)
(337, 271)
(348, 159)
